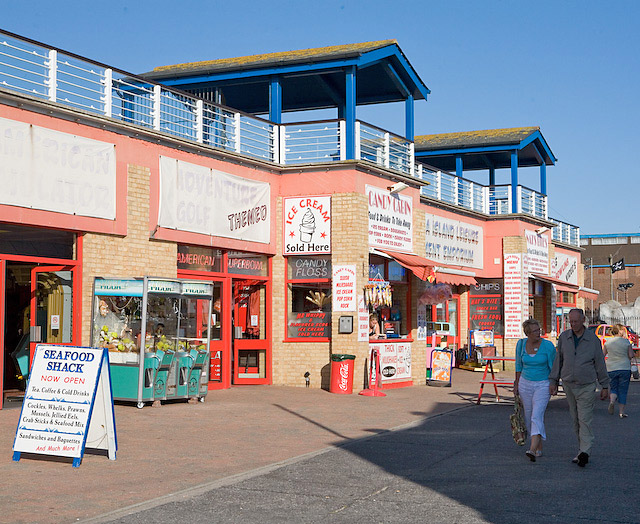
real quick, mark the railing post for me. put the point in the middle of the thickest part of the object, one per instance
(439, 185)
(282, 131)
(357, 140)
(546, 209)
(471, 195)
(108, 92)
(155, 111)
(519, 197)
(236, 125)
(52, 76)
(342, 142)
(386, 153)
(456, 199)
(509, 199)
(412, 156)
(200, 121)
(485, 200)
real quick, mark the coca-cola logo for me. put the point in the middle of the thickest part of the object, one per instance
(389, 371)
(344, 376)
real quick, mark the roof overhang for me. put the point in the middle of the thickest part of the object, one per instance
(482, 150)
(308, 80)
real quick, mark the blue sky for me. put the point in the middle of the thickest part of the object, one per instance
(570, 67)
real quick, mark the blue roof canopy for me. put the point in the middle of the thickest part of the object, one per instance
(306, 79)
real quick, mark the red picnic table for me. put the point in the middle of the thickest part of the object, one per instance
(495, 382)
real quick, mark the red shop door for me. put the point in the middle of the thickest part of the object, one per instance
(53, 305)
(251, 358)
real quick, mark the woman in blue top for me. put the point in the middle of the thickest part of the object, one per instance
(534, 358)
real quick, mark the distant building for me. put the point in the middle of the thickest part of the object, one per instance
(600, 253)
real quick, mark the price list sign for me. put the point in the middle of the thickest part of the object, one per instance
(67, 405)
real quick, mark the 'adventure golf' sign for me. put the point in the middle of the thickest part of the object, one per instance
(67, 405)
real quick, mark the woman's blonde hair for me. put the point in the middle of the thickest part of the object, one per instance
(619, 330)
(526, 325)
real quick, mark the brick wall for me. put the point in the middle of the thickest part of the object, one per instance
(135, 255)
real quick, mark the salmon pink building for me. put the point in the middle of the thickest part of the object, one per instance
(186, 221)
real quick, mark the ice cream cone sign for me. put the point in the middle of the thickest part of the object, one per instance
(307, 226)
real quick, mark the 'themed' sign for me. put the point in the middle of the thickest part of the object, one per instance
(390, 220)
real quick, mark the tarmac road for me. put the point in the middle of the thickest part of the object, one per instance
(317, 457)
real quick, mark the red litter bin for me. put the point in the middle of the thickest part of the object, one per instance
(342, 374)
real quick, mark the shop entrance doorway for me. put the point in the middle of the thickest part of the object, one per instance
(39, 294)
(52, 302)
(251, 362)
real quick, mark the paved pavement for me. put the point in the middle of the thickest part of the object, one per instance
(278, 454)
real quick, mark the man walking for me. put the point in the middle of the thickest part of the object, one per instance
(580, 364)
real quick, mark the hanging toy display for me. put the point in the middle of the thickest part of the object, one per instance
(378, 293)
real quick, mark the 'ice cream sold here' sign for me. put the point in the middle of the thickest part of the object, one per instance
(307, 225)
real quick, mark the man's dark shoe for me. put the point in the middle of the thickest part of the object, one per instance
(583, 458)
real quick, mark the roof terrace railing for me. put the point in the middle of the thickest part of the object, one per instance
(492, 200)
(31, 68)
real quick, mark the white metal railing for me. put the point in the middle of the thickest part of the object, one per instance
(492, 200)
(383, 148)
(566, 233)
(309, 142)
(31, 68)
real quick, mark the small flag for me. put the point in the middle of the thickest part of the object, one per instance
(617, 266)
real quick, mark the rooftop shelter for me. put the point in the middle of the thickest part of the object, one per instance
(341, 77)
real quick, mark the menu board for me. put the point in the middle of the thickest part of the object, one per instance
(485, 313)
(344, 288)
(441, 366)
(68, 404)
(395, 360)
(514, 295)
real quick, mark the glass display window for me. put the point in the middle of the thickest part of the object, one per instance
(309, 297)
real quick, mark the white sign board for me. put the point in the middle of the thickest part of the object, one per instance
(344, 288)
(515, 287)
(68, 404)
(564, 267)
(537, 252)
(207, 201)
(390, 220)
(422, 321)
(395, 360)
(453, 242)
(53, 171)
(307, 225)
(363, 320)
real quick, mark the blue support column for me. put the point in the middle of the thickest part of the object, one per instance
(275, 100)
(543, 178)
(492, 176)
(459, 165)
(514, 181)
(350, 112)
(409, 118)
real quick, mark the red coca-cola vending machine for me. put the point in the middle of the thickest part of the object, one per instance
(342, 374)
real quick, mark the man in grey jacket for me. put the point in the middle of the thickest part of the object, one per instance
(580, 364)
